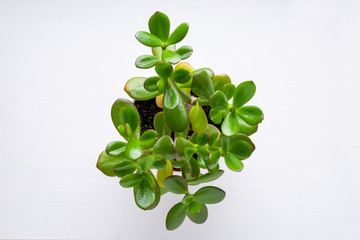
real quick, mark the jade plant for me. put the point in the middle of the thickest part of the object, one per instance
(179, 127)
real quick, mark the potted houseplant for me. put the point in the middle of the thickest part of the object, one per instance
(179, 127)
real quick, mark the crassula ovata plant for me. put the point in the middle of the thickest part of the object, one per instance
(179, 128)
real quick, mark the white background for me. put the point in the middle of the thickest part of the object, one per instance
(63, 63)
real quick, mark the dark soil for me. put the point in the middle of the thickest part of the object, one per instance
(148, 109)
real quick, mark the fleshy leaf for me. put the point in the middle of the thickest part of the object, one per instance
(202, 139)
(176, 216)
(214, 159)
(164, 69)
(160, 125)
(135, 88)
(119, 103)
(148, 138)
(220, 80)
(194, 207)
(243, 93)
(150, 83)
(180, 145)
(178, 34)
(146, 61)
(216, 116)
(129, 115)
(209, 195)
(160, 162)
(164, 147)
(148, 39)
(229, 90)
(192, 167)
(246, 128)
(177, 118)
(198, 119)
(159, 25)
(241, 137)
(130, 180)
(133, 150)
(164, 173)
(233, 163)
(125, 167)
(145, 162)
(171, 98)
(184, 52)
(116, 148)
(144, 194)
(241, 149)
(219, 101)
(170, 56)
(208, 177)
(202, 85)
(252, 115)
(199, 217)
(176, 184)
(181, 75)
(106, 163)
(230, 125)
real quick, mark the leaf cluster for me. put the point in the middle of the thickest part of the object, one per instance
(185, 138)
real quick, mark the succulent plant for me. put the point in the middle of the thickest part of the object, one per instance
(186, 135)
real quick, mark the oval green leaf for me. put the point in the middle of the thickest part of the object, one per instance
(130, 180)
(252, 115)
(209, 195)
(171, 98)
(230, 125)
(135, 88)
(201, 85)
(159, 25)
(164, 69)
(106, 163)
(176, 216)
(145, 162)
(125, 167)
(176, 184)
(219, 101)
(233, 163)
(220, 80)
(133, 150)
(160, 125)
(198, 119)
(150, 83)
(216, 116)
(241, 149)
(199, 217)
(208, 177)
(144, 194)
(243, 93)
(178, 34)
(184, 52)
(148, 39)
(181, 75)
(170, 56)
(148, 138)
(116, 148)
(164, 147)
(146, 61)
(229, 90)
(194, 207)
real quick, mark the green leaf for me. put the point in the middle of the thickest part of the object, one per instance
(220, 80)
(219, 101)
(146, 61)
(189, 152)
(135, 88)
(216, 116)
(159, 25)
(133, 150)
(115, 148)
(202, 85)
(209, 195)
(181, 75)
(170, 56)
(180, 145)
(208, 70)
(246, 128)
(252, 115)
(233, 163)
(178, 34)
(119, 103)
(125, 167)
(184, 133)
(214, 159)
(171, 98)
(150, 83)
(204, 153)
(224, 142)
(214, 137)
(130, 180)
(208, 177)
(201, 162)
(194, 207)
(129, 115)
(160, 162)
(164, 147)
(177, 118)
(241, 149)
(148, 39)
(241, 137)
(148, 138)
(198, 119)
(176, 216)
(160, 125)
(192, 167)
(164, 173)
(229, 90)
(144, 194)
(164, 69)
(230, 125)
(202, 139)
(157, 191)
(106, 163)
(199, 217)
(145, 162)
(162, 85)
(184, 52)
(243, 93)
(176, 184)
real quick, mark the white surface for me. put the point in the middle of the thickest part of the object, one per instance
(63, 63)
